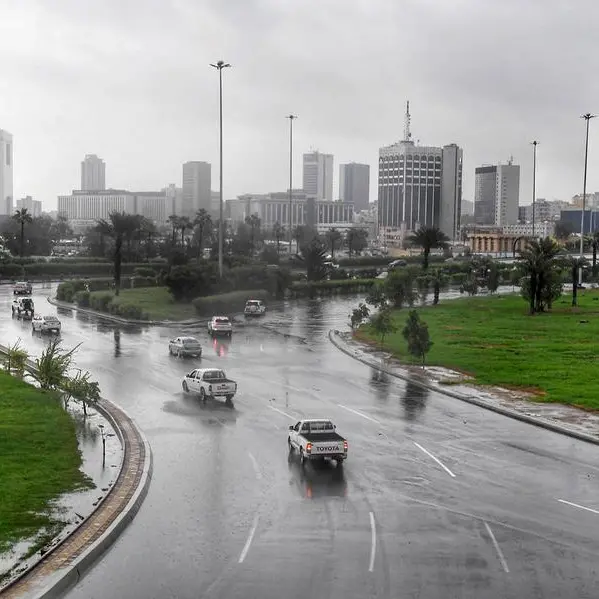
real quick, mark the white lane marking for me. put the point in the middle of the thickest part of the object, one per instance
(256, 467)
(580, 507)
(372, 542)
(284, 413)
(358, 413)
(246, 547)
(430, 455)
(497, 548)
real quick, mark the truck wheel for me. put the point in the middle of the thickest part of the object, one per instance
(302, 457)
(202, 395)
(185, 387)
(178, 353)
(289, 445)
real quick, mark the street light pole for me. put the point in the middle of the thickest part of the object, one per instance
(534, 184)
(219, 66)
(587, 117)
(291, 118)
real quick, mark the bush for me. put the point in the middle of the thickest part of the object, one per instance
(81, 298)
(101, 302)
(130, 311)
(185, 282)
(227, 302)
(365, 261)
(144, 271)
(139, 281)
(10, 270)
(316, 288)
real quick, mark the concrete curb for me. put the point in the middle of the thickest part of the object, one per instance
(556, 428)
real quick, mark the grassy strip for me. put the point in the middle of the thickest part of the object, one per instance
(40, 460)
(553, 355)
(156, 303)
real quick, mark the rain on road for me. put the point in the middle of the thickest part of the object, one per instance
(438, 499)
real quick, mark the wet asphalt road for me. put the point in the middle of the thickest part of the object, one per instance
(439, 499)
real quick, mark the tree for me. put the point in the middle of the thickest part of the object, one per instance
(541, 282)
(299, 235)
(184, 224)
(492, 277)
(423, 285)
(314, 257)
(334, 239)
(575, 264)
(399, 287)
(81, 389)
(594, 241)
(563, 230)
(202, 230)
(269, 255)
(173, 220)
(253, 222)
(439, 281)
(52, 367)
(428, 238)
(357, 240)
(382, 324)
(376, 296)
(23, 218)
(278, 234)
(118, 226)
(15, 359)
(61, 228)
(186, 282)
(415, 332)
(359, 315)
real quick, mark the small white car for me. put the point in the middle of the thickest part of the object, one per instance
(254, 308)
(220, 325)
(45, 324)
(209, 382)
(185, 346)
(22, 288)
(22, 307)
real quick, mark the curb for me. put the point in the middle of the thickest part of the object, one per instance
(556, 428)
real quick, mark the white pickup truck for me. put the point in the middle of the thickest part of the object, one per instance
(317, 440)
(209, 382)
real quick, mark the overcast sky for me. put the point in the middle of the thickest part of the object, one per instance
(130, 80)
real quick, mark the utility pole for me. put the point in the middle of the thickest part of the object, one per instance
(291, 118)
(587, 117)
(220, 65)
(534, 184)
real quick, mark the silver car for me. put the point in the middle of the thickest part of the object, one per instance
(185, 346)
(220, 325)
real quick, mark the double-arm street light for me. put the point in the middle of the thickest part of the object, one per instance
(587, 117)
(291, 118)
(219, 66)
(534, 183)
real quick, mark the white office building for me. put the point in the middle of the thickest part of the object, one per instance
(93, 173)
(34, 207)
(6, 173)
(354, 185)
(497, 194)
(318, 175)
(197, 192)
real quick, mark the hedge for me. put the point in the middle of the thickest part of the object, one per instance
(13, 269)
(67, 290)
(338, 286)
(227, 302)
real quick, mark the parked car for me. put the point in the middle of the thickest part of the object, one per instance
(220, 325)
(317, 440)
(45, 324)
(209, 382)
(185, 346)
(22, 288)
(23, 307)
(254, 308)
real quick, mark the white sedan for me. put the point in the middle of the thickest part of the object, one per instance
(45, 324)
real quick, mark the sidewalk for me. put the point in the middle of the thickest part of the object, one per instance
(62, 567)
(559, 418)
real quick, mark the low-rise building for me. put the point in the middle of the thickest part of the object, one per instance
(493, 240)
(541, 229)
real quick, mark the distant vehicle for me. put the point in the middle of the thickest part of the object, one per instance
(209, 382)
(22, 288)
(45, 324)
(330, 265)
(23, 308)
(317, 440)
(185, 346)
(397, 263)
(220, 325)
(254, 308)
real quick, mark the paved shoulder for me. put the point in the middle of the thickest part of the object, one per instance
(69, 561)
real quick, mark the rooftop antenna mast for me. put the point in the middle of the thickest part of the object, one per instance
(407, 135)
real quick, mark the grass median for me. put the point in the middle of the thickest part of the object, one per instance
(39, 460)
(553, 355)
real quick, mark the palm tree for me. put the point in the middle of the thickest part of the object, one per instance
(333, 237)
(118, 226)
(22, 217)
(184, 224)
(299, 233)
(173, 219)
(428, 238)
(575, 264)
(278, 232)
(357, 239)
(314, 256)
(203, 227)
(439, 281)
(594, 241)
(253, 222)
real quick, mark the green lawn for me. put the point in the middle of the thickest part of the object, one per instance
(495, 340)
(39, 460)
(157, 302)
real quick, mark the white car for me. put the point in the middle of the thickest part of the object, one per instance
(185, 346)
(220, 325)
(209, 382)
(45, 324)
(254, 308)
(22, 288)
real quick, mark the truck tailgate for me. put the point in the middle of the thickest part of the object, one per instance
(222, 387)
(327, 447)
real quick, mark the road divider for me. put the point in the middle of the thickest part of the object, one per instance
(430, 455)
(497, 549)
(580, 507)
(250, 538)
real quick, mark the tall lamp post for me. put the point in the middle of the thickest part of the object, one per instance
(219, 66)
(534, 183)
(291, 118)
(587, 117)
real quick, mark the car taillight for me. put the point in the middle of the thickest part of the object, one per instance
(309, 448)
(344, 445)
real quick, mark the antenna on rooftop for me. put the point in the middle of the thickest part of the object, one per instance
(407, 135)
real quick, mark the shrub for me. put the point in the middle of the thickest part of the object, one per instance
(314, 288)
(130, 311)
(65, 292)
(10, 270)
(185, 282)
(81, 298)
(101, 302)
(144, 271)
(139, 281)
(227, 302)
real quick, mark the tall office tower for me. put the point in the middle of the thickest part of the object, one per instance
(6, 170)
(196, 187)
(93, 174)
(318, 175)
(497, 194)
(354, 185)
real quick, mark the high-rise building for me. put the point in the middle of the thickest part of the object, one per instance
(496, 194)
(419, 186)
(318, 175)
(175, 199)
(34, 207)
(93, 174)
(196, 187)
(354, 185)
(6, 169)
